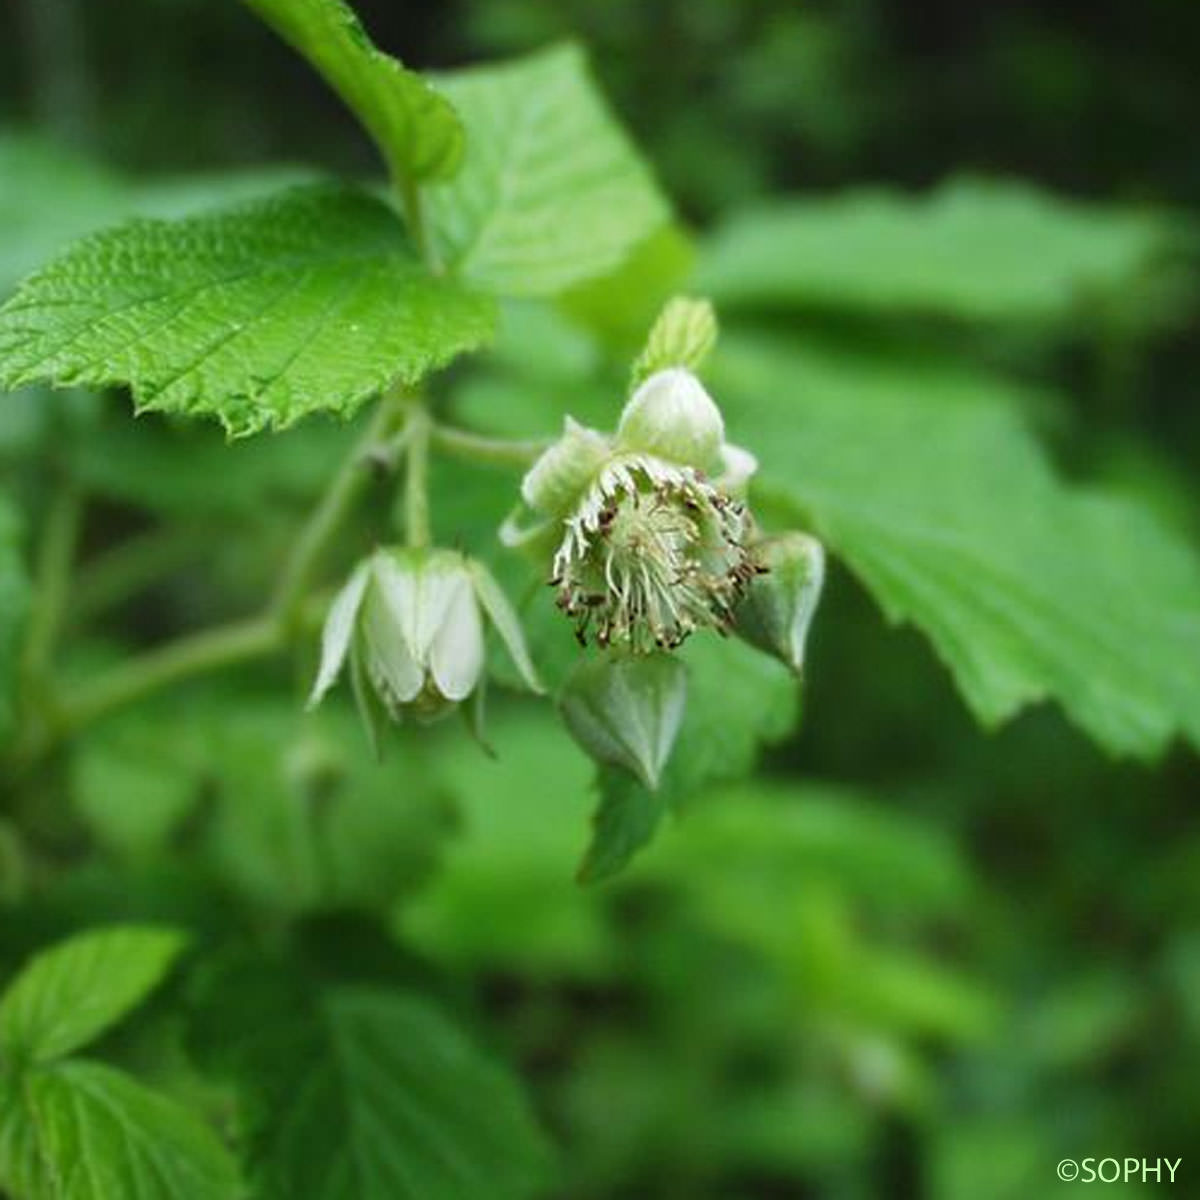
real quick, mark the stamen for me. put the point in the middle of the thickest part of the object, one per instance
(653, 553)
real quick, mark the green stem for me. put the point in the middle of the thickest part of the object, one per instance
(185, 657)
(55, 560)
(414, 218)
(316, 535)
(416, 477)
(226, 645)
(479, 448)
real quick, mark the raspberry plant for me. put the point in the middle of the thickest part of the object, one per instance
(555, 477)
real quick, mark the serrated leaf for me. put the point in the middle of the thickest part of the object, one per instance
(14, 605)
(921, 476)
(308, 301)
(362, 1093)
(69, 994)
(416, 130)
(52, 196)
(550, 192)
(971, 249)
(81, 1131)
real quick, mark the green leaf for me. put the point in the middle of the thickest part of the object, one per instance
(550, 192)
(68, 995)
(761, 834)
(921, 476)
(52, 196)
(415, 129)
(287, 811)
(503, 897)
(261, 314)
(627, 819)
(81, 1131)
(971, 249)
(738, 701)
(362, 1093)
(14, 605)
(619, 306)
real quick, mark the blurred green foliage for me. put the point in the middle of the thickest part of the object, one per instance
(888, 953)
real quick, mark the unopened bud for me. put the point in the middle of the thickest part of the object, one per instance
(673, 417)
(778, 607)
(627, 711)
(410, 623)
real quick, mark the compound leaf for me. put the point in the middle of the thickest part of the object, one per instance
(261, 314)
(363, 1092)
(78, 1130)
(69, 994)
(551, 192)
(921, 476)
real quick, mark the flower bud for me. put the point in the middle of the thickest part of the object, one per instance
(627, 711)
(673, 417)
(778, 608)
(410, 622)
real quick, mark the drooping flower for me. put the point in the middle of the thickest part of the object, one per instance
(410, 623)
(653, 533)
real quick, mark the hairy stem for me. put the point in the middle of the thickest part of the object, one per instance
(479, 448)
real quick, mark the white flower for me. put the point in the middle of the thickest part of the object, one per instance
(652, 553)
(410, 623)
(652, 531)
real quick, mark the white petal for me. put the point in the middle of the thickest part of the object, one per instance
(553, 483)
(738, 465)
(388, 654)
(508, 625)
(395, 578)
(513, 534)
(456, 655)
(338, 630)
(439, 579)
(672, 415)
